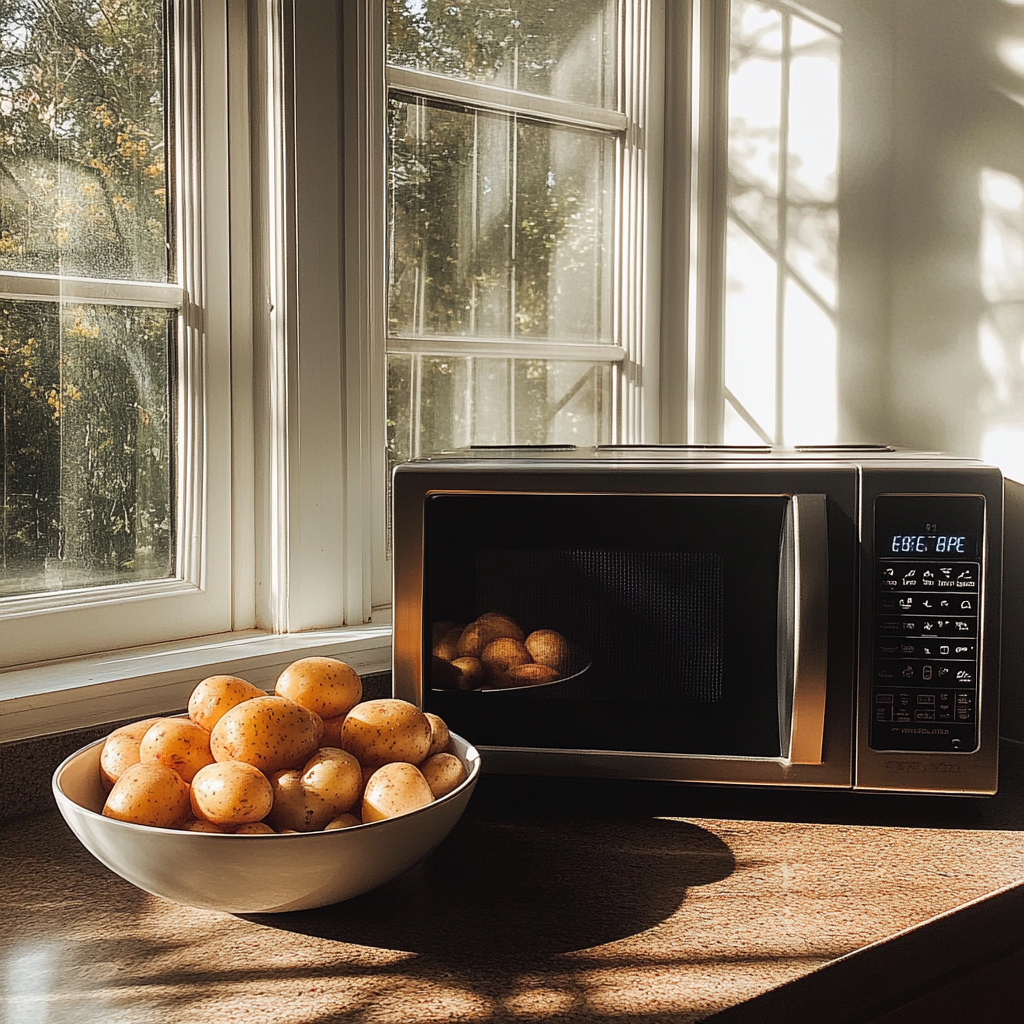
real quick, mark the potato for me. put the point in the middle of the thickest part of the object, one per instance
(149, 794)
(447, 647)
(176, 743)
(443, 772)
(490, 626)
(472, 674)
(198, 825)
(231, 793)
(502, 654)
(394, 789)
(121, 750)
(527, 675)
(215, 695)
(549, 648)
(254, 828)
(342, 821)
(269, 733)
(440, 737)
(295, 808)
(378, 732)
(444, 675)
(324, 685)
(335, 776)
(307, 799)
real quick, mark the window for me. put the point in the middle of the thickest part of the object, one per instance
(514, 211)
(111, 354)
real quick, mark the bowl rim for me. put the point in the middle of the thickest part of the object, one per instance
(471, 759)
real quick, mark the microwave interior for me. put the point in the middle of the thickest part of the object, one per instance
(674, 609)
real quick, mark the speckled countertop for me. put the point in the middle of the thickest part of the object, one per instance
(564, 901)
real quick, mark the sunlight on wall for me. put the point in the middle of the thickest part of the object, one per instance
(1001, 327)
(780, 333)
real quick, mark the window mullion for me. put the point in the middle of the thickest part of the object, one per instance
(504, 101)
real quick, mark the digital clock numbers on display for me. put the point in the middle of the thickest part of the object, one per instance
(924, 544)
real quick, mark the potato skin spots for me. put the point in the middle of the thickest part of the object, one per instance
(214, 696)
(324, 685)
(269, 733)
(394, 789)
(176, 743)
(149, 794)
(378, 732)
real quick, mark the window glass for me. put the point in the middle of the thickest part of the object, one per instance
(498, 226)
(564, 49)
(86, 436)
(440, 402)
(86, 444)
(83, 183)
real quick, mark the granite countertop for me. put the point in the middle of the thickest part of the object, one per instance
(563, 901)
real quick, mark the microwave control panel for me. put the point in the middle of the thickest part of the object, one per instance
(925, 676)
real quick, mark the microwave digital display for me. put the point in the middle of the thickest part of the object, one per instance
(951, 545)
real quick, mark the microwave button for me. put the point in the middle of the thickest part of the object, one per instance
(882, 714)
(883, 698)
(926, 698)
(924, 716)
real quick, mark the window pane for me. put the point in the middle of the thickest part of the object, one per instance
(564, 48)
(498, 226)
(437, 403)
(83, 159)
(85, 435)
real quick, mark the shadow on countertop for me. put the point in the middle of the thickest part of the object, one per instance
(538, 882)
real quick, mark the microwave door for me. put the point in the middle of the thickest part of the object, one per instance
(699, 620)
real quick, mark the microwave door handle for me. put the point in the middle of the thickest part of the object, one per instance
(810, 628)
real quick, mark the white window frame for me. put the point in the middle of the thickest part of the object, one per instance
(45, 626)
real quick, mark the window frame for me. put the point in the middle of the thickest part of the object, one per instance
(199, 599)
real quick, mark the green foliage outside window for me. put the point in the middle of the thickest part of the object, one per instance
(84, 388)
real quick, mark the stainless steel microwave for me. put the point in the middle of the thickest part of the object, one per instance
(809, 617)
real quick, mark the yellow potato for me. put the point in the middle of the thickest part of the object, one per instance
(269, 733)
(380, 731)
(216, 695)
(198, 825)
(549, 648)
(307, 798)
(527, 675)
(440, 737)
(502, 654)
(149, 794)
(443, 772)
(121, 750)
(394, 789)
(447, 647)
(296, 809)
(473, 675)
(335, 776)
(490, 626)
(231, 793)
(342, 821)
(324, 685)
(254, 828)
(176, 743)
(444, 675)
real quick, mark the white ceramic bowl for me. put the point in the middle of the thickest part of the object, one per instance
(254, 874)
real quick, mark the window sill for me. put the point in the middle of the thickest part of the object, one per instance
(61, 696)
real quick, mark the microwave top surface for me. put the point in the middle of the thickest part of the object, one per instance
(510, 456)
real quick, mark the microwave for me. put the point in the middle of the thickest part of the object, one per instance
(803, 617)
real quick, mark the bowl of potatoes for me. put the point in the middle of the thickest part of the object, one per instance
(265, 803)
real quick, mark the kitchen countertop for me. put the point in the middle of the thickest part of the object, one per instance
(563, 901)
